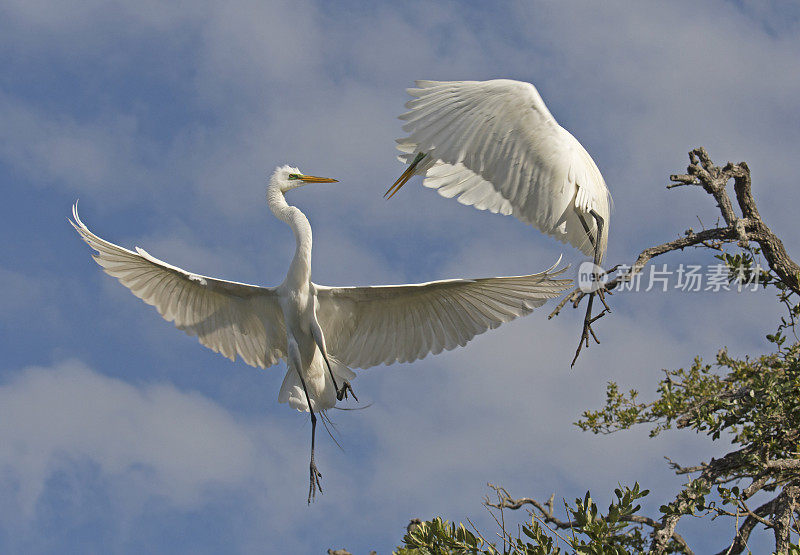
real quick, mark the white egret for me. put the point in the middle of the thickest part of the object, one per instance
(320, 331)
(496, 145)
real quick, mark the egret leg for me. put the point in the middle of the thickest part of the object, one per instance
(340, 393)
(295, 360)
(600, 223)
(319, 339)
(315, 474)
(588, 319)
(588, 231)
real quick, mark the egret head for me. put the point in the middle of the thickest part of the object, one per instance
(287, 177)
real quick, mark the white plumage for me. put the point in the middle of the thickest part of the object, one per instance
(308, 324)
(495, 145)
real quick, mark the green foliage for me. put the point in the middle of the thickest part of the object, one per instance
(589, 533)
(753, 403)
(439, 536)
(614, 533)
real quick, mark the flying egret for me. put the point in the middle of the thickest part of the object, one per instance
(320, 331)
(496, 145)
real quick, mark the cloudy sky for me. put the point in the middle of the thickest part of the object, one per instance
(119, 433)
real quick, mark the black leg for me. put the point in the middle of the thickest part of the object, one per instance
(330, 371)
(600, 223)
(340, 393)
(319, 339)
(588, 319)
(315, 474)
(588, 232)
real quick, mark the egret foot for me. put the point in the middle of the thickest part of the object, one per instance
(588, 320)
(314, 481)
(342, 393)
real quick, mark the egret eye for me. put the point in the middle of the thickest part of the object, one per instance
(294, 176)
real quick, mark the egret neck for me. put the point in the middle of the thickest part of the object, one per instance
(299, 274)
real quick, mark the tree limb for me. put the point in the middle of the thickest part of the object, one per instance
(786, 504)
(711, 471)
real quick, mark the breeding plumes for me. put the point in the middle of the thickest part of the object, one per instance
(495, 145)
(321, 332)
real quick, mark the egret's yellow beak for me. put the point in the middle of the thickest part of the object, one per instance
(403, 179)
(314, 179)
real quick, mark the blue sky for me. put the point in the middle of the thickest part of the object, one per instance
(119, 433)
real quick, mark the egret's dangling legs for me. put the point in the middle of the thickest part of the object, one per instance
(588, 231)
(319, 339)
(600, 223)
(595, 241)
(588, 319)
(315, 474)
(295, 360)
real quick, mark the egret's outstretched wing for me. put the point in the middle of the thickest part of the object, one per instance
(228, 317)
(366, 326)
(496, 145)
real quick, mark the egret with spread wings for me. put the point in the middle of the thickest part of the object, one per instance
(321, 332)
(495, 145)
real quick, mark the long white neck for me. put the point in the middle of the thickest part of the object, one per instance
(299, 274)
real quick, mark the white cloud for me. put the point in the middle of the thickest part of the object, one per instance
(250, 48)
(100, 157)
(29, 300)
(18, 293)
(143, 439)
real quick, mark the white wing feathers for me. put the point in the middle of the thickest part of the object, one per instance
(363, 326)
(227, 317)
(367, 326)
(496, 145)
(452, 180)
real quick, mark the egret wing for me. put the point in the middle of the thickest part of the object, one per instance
(496, 145)
(367, 326)
(227, 317)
